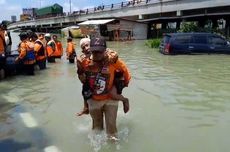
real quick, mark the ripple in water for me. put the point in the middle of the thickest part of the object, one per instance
(100, 141)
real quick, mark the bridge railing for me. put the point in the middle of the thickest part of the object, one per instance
(115, 6)
(101, 8)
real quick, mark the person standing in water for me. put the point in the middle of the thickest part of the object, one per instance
(26, 53)
(100, 77)
(82, 62)
(40, 53)
(50, 48)
(70, 50)
(59, 49)
(2, 52)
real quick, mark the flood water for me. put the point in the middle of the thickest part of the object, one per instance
(178, 104)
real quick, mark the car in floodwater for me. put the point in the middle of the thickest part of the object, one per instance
(193, 43)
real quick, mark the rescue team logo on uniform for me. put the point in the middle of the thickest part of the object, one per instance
(98, 83)
(100, 87)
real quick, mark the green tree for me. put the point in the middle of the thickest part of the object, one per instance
(189, 27)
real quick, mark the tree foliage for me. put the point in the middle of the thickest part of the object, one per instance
(189, 27)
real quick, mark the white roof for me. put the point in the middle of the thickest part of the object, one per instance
(96, 22)
(70, 27)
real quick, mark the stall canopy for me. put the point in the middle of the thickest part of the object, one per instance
(73, 31)
(96, 22)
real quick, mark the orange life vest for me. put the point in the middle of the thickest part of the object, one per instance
(39, 50)
(101, 78)
(2, 42)
(26, 50)
(50, 48)
(70, 49)
(59, 49)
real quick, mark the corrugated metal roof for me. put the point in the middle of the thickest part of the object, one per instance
(96, 22)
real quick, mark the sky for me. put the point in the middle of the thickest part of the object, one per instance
(14, 7)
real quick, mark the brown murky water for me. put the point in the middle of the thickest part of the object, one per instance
(178, 104)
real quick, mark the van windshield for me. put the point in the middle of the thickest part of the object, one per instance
(215, 40)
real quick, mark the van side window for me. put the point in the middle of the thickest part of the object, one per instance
(182, 39)
(200, 39)
(215, 40)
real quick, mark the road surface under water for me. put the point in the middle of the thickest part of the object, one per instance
(178, 104)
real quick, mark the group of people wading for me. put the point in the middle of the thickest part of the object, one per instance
(102, 73)
(38, 49)
(34, 49)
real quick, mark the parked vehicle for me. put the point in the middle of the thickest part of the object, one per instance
(49, 11)
(13, 68)
(193, 43)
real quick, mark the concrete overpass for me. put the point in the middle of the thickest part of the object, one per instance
(148, 11)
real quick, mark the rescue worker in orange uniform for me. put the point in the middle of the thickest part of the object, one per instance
(59, 49)
(100, 76)
(26, 55)
(50, 48)
(8, 40)
(2, 51)
(70, 50)
(40, 53)
(82, 62)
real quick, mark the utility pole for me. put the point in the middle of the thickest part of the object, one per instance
(70, 6)
(40, 3)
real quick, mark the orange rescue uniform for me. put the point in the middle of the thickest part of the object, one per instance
(101, 78)
(50, 48)
(25, 48)
(59, 49)
(82, 62)
(2, 42)
(70, 49)
(39, 50)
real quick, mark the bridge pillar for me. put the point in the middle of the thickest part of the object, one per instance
(151, 30)
(214, 23)
(201, 23)
(227, 27)
(140, 16)
(178, 25)
(164, 25)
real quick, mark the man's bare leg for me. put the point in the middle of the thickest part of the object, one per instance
(120, 97)
(85, 109)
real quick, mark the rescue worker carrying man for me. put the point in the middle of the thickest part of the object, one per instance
(40, 53)
(26, 49)
(100, 75)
